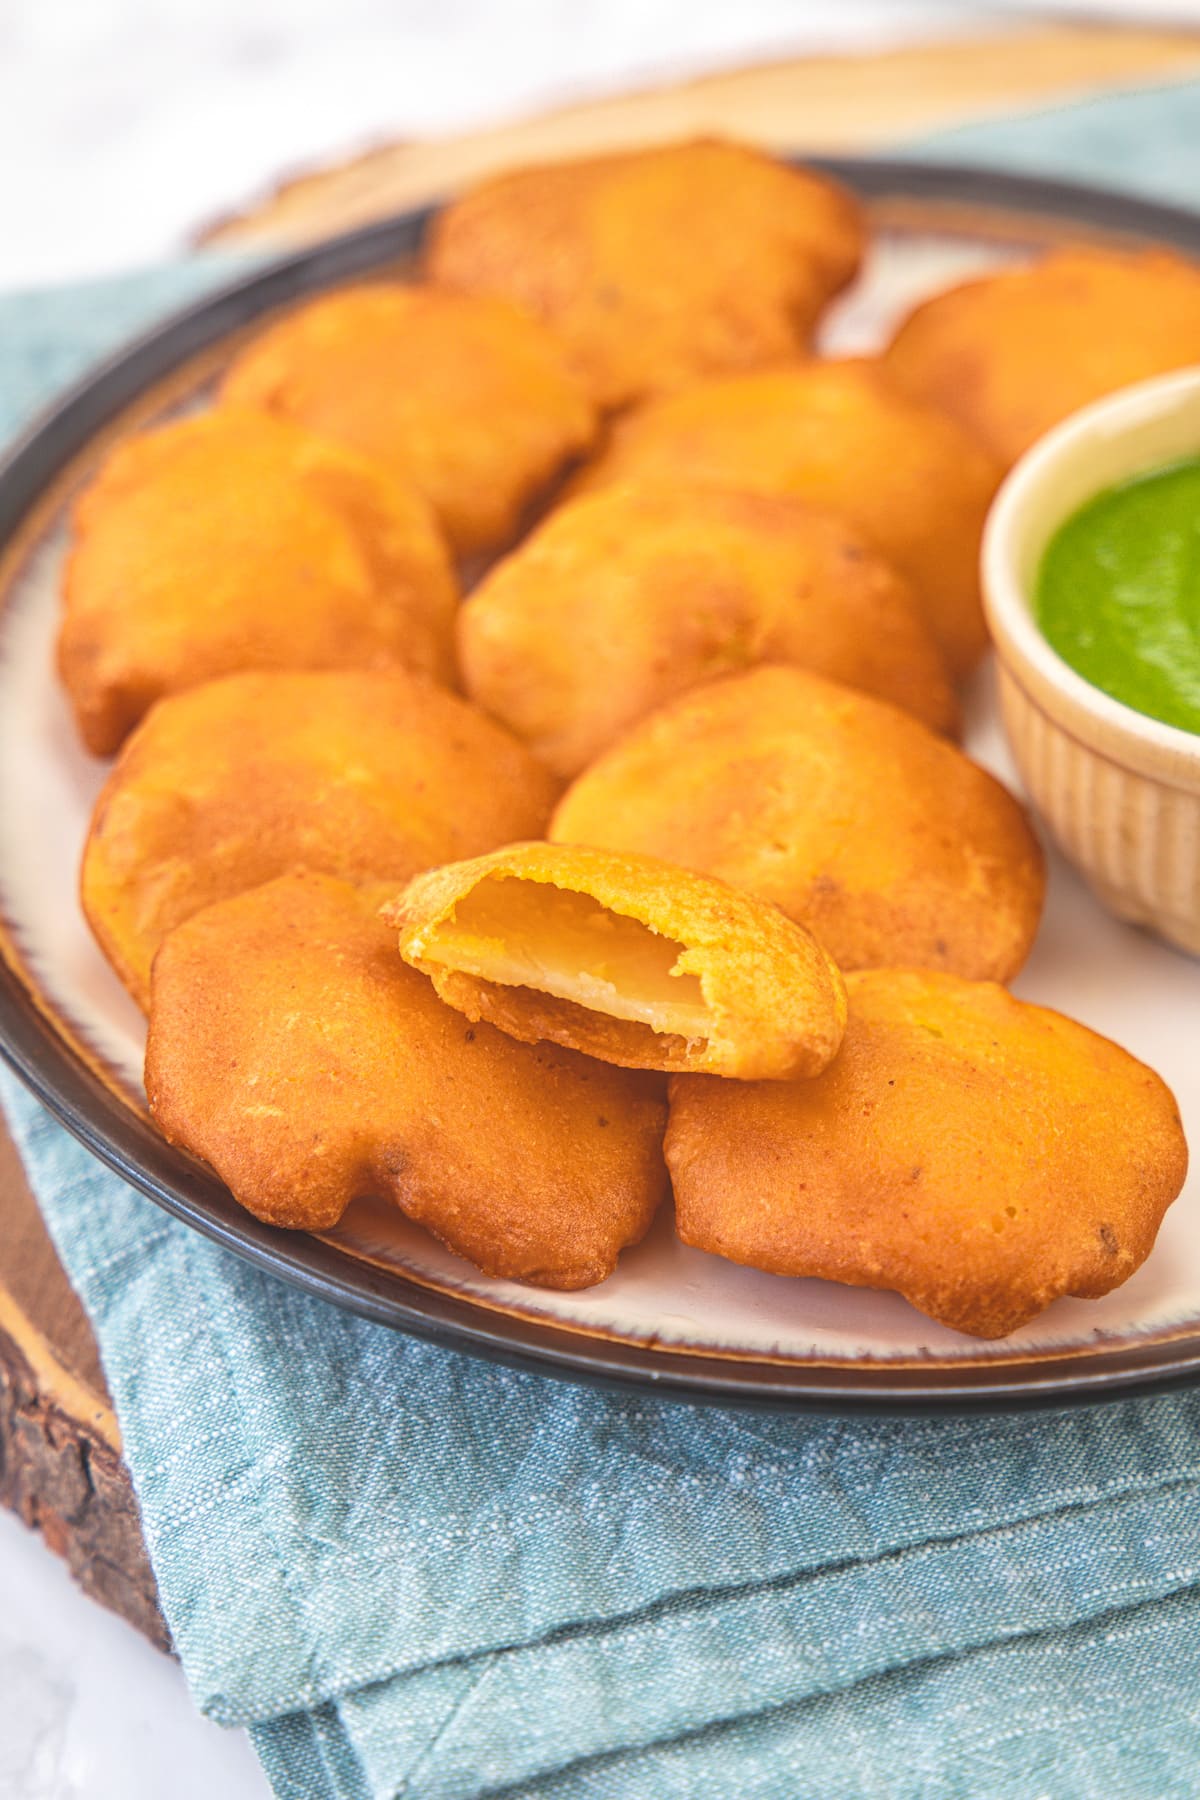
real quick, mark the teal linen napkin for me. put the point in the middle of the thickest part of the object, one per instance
(413, 1574)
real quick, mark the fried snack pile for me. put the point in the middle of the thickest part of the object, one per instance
(839, 435)
(294, 1052)
(735, 632)
(631, 960)
(658, 267)
(230, 541)
(979, 1155)
(1012, 354)
(361, 774)
(885, 840)
(670, 585)
(466, 398)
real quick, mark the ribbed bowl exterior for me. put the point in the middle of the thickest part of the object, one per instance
(1119, 792)
(1135, 838)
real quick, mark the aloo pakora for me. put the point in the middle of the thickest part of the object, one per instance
(979, 1155)
(295, 1053)
(881, 837)
(227, 541)
(363, 775)
(840, 435)
(626, 958)
(661, 266)
(625, 598)
(463, 396)
(1011, 354)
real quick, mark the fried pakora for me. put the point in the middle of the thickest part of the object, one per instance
(979, 1155)
(363, 775)
(1011, 354)
(881, 837)
(625, 598)
(626, 958)
(657, 267)
(293, 1050)
(227, 541)
(462, 395)
(840, 435)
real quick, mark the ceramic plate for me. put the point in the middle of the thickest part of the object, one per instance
(672, 1319)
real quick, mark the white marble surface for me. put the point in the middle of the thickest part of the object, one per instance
(123, 125)
(88, 1711)
(126, 123)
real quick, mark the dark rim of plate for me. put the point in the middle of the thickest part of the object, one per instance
(129, 1145)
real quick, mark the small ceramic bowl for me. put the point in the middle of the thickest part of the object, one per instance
(1120, 792)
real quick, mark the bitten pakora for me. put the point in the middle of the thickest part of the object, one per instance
(625, 598)
(840, 435)
(657, 267)
(463, 396)
(295, 1053)
(1011, 354)
(626, 958)
(979, 1155)
(881, 837)
(227, 541)
(361, 774)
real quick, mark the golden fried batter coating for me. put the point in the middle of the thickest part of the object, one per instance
(976, 1154)
(859, 822)
(625, 598)
(626, 958)
(657, 267)
(231, 541)
(1011, 354)
(367, 775)
(464, 396)
(840, 435)
(294, 1052)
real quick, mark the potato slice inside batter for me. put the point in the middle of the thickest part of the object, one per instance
(632, 960)
(568, 945)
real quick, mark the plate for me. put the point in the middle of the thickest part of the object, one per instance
(672, 1319)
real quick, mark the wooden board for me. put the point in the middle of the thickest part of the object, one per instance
(822, 103)
(60, 1448)
(60, 1464)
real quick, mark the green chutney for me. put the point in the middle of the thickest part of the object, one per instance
(1118, 593)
